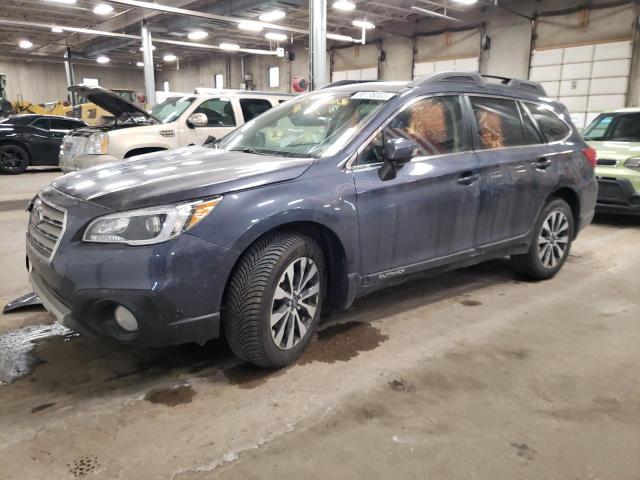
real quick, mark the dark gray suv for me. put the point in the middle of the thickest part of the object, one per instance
(325, 198)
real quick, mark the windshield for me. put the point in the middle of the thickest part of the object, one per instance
(314, 125)
(614, 127)
(171, 108)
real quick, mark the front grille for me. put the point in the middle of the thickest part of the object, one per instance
(46, 225)
(607, 162)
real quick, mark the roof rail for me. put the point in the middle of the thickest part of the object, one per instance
(340, 83)
(480, 80)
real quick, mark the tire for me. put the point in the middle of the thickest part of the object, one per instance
(554, 233)
(259, 299)
(13, 159)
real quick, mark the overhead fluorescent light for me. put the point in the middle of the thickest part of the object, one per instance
(102, 59)
(344, 5)
(26, 44)
(139, 64)
(465, 2)
(276, 37)
(64, 2)
(197, 35)
(169, 57)
(341, 38)
(250, 26)
(229, 46)
(102, 9)
(272, 16)
(55, 29)
(363, 24)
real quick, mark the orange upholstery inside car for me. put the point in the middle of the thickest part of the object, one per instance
(490, 129)
(428, 125)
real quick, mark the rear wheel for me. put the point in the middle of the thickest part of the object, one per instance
(13, 159)
(554, 233)
(274, 299)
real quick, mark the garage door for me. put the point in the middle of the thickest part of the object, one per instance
(469, 64)
(586, 78)
(356, 74)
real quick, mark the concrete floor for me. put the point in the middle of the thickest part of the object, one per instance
(468, 375)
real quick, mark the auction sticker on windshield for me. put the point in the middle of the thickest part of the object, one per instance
(373, 96)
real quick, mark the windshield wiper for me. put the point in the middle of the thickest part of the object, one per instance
(250, 150)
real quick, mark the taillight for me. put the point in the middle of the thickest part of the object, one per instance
(591, 155)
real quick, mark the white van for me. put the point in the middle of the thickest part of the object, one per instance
(179, 121)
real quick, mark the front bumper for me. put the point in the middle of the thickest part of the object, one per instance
(174, 289)
(70, 163)
(617, 195)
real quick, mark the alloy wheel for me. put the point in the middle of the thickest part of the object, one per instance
(295, 302)
(11, 159)
(553, 239)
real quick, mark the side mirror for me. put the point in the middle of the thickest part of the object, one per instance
(396, 152)
(210, 140)
(399, 150)
(197, 120)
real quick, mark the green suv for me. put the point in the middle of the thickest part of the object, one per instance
(616, 137)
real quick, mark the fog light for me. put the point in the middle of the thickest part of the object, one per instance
(125, 319)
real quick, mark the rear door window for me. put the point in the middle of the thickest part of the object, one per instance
(553, 127)
(219, 112)
(41, 123)
(498, 122)
(252, 107)
(531, 133)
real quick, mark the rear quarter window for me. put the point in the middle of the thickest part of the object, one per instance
(552, 126)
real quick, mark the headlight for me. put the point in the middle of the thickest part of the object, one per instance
(97, 143)
(148, 225)
(633, 163)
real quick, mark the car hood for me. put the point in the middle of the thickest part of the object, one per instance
(111, 102)
(616, 150)
(177, 175)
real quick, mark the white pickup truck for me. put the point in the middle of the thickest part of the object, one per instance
(179, 121)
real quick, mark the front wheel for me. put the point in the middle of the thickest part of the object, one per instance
(13, 159)
(554, 232)
(274, 299)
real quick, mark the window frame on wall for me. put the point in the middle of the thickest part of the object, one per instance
(273, 76)
(218, 81)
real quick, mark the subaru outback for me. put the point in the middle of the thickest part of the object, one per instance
(321, 200)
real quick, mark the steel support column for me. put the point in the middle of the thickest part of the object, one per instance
(68, 68)
(318, 44)
(149, 74)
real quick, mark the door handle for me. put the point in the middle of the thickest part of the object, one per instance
(542, 163)
(468, 178)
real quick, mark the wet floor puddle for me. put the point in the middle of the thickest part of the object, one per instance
(335, 343)
(16, 348)
(171, 396)
(342, 342)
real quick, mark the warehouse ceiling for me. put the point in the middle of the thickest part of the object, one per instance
(391, 17)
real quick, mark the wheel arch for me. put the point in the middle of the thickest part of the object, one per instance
(573, 200)
(18, 143)
(334, 254)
